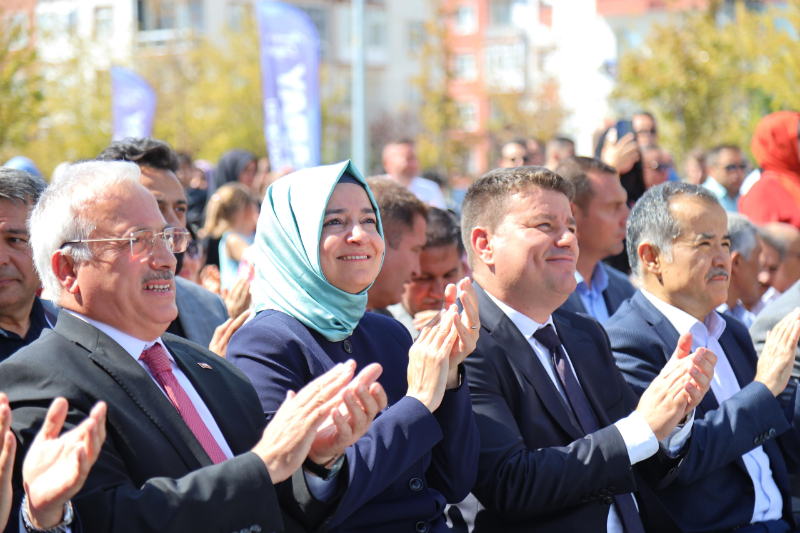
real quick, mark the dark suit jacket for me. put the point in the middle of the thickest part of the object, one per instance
(619, 289)
(713, 492)
(537, 471)
(200, 311)
(152, 473)
(767, 319)
(411, 462)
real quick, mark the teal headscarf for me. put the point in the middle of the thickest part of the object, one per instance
(288, 273)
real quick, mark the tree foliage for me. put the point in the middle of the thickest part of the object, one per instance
(709, 78)
(539, 115)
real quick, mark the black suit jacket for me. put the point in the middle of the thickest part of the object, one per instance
(619, 289)
(537, 471)
(152, 473)
(713, 492)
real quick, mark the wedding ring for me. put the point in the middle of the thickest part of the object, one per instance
(475, 327)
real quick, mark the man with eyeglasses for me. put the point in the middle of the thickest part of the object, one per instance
(187, 446)
(201, 313)
(656, 166)
(726, 168)
(513, 154)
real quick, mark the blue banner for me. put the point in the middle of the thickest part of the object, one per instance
(289, 47)
(133, 104)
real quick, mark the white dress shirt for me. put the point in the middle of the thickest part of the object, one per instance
(706, 334)
(640, 441)
(428, 191)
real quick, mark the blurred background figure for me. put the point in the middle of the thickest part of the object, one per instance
(236, 166)
(194, 184)
(779, 262)
(401, 165)
(656, 165)
(193, 258)
(558, 150)
(743, 278)
(644, 126)
(514, 154)
(536, 150)
(440, 263)
(230, 228)
(726, 167)
(23, 163)
(696, 167)
(775, 197)
(59, 171)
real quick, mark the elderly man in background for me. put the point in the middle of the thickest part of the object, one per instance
(441, 263)
(23, 317)
(745, 248)
(600, 208)
(404, 219)
(401, 165)
(780, 262)
(744, 441)
(187, 447)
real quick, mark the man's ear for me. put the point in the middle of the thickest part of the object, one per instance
(481, 242)
(736, 261)
(65, 270)
(651, 259)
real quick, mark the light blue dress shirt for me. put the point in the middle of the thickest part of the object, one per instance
(727, 201)
(592, 298)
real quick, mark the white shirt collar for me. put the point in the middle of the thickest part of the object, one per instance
(713, 324)
(526, 325)
(130, 344)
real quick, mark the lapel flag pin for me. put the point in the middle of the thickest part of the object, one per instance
(203, 365)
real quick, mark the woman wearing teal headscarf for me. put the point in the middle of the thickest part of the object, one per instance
(319, 248)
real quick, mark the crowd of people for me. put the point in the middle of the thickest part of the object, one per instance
(571, 343)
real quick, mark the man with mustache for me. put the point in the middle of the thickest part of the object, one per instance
(564, 444)
(743, 441)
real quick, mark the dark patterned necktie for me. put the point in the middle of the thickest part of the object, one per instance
(548, 337)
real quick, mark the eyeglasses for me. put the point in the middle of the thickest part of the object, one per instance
(645, 132)
(143, 241)
(194, 249)
(732, 168)
(660, 167)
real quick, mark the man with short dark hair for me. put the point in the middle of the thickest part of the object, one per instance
(514, 154)
(726, 168)
(536, 151)
(558, 150)
(745, 263)
(404, 220)
(200, 312)
(401, 165)
(600, 208)
(22, 315)
(564, 445)
(644, 126)
(440, 264)
(744, 441)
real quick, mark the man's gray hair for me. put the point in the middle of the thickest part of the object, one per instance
(651, 220)
(743, 234)
(62, 214)
(19, 186)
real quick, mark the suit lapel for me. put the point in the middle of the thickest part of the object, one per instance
(574, 303)
(525, 361)
(139, 386)
(744, 371)
(213, 389)
(582, 352)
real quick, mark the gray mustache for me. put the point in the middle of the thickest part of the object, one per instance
(717, 271)
(166, 275)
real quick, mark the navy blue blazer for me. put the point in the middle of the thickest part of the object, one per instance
(619, 289)
(411, 462)
(537, 470)
(713, 492)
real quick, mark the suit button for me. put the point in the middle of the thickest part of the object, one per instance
(594, 495)
(602, 493)
(585, 498)
(772, 432)
(421, 527)
(348, 346)
(255, 529)
(757, 441)
(245, 530)
(612, 489)
(415, 484)
(608, 500)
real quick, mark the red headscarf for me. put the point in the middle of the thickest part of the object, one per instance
(775, 148)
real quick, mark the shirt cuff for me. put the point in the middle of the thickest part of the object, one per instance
(638, 437)
(673, 442)
(322, 490)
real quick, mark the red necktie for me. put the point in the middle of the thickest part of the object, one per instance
(157, 361)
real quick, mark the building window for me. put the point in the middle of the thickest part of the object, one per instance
(468, 116)
(505, 67)
(416, 36)
(52, 25)
(103, 22)
(196, 21)
(375, 28)
(500, 12)
(319, 16)
(466, 68)
(238, 15)
(165, 15)
(465, 20)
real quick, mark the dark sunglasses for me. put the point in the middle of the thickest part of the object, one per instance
(732, 168)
